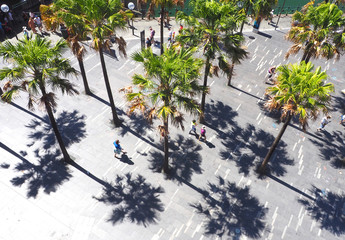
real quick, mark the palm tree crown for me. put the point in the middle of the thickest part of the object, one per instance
(316, 32)
(169, 85)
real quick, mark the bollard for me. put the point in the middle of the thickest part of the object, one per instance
(142, 39)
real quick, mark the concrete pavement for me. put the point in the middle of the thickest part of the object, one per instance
(213, 192)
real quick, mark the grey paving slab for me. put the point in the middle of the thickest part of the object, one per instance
(54, 201)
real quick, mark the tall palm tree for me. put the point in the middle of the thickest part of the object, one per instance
(52, 16)
(169, 85)
(100, 19)
(37, 64)
(299, 92)
(317, 32)
(211, 26)
(164, 5)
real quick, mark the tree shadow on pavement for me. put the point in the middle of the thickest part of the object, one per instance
(328, 210)
(184, 161)
(134, 199)
(219, 116)
(136, 124)
(231, 211)
(332, 148)
(48, 174)
(247, 147)
(70, 124)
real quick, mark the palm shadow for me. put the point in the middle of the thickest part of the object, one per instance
(134, 200)
(231, 211)
(136, 124)
(328, 210)
(184, 160)
(219, 116)
(70, 124)
(332, 148)
(48, 174)
(247, 147)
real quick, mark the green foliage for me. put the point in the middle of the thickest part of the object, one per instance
(212, 26)
(36, 65)
(300, 91)
(319, 32)
(170, 83)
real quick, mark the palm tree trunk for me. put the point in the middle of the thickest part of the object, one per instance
(262, 168)
(162, 28)
(55, 128)
(203, 97)
(230, 73)
(116, 119)
(83, 74)
(166, 148)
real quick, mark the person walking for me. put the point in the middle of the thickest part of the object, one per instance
(203, 133)
(193, 127)
(31, 24)
(325, 120)
(38, 23)
(148, 43)
(152, 35)
(118, 149)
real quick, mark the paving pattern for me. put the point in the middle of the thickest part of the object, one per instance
(213, 192)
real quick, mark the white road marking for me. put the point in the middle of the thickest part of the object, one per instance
(93, 67)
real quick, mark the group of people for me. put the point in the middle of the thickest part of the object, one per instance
(34, 21)
(202, 130)
(171, 37)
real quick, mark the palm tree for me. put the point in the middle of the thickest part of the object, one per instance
(36, 65)
(169, 84)
(164, 4)
(52, 16)
(316, 33)
(299, 92)
(211, 26)
(100, 19)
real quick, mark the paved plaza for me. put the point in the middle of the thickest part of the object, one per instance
(213, 191)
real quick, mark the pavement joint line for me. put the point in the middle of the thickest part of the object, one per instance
(215, 173)
(134, 169)
(93, 67)
(284, 231)
(123, 65)
(238, 107)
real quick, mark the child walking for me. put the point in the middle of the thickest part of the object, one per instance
(203, 133)
(193, 127)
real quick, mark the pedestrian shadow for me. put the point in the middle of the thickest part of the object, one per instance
(70, 124)
(332, 148)
(48, 174)
(219, 116)
(231, 211)
(328, 210)
(184, 159)
(133, 199)
(247, 147)
(125, 159)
